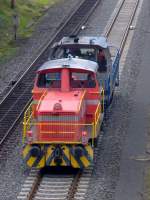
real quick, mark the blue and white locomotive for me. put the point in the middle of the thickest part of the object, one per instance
(95, 49)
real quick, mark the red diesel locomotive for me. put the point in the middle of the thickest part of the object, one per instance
(62, 122)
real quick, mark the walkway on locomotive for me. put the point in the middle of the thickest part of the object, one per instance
(95, 49)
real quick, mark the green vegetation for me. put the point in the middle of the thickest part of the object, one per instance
(147, 185)
(29, 12)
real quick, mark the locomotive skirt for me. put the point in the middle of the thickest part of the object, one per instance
(39, 156)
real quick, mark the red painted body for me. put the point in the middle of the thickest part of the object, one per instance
(65, 107)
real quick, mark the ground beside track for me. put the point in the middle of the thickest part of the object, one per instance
(99, 19)
(28, 12)
(134, 160)
(12, 171)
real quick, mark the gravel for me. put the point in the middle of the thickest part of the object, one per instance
(12, 169)
(96, 24)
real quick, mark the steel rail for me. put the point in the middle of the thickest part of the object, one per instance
(115, 18)
(56, 186)
(110, 25)
(34, 187)
(51, 186)
(128, 27)
(77, 188)
(78, 29)
(13, 124)
(74, 186)
(71, 24)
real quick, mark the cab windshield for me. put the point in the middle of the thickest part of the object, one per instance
(86, 53)
(82, 80)
(77, 80)
(49, 80)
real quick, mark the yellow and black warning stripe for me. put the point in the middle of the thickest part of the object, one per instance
(62, 155)
(51, 157)
(83, 161)
(33, 161)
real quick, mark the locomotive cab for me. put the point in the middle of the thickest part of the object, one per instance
(89, 48)
(94, 49)
(64, 119)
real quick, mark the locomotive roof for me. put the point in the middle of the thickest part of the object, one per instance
(73, 63)
(89, 40)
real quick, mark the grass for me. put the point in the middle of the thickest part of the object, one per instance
(147, 185)
(29, 11)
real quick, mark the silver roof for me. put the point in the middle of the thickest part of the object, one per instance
(89, 40)
(73, 63)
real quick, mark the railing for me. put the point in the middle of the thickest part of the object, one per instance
(40, 100)
(66, 130)
(103, 100)
(28, 116)
(102, 95)
(97, 119)
(59, 132)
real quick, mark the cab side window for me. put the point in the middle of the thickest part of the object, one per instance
(91, 81)
(82, 80)
(49, 80)
(41, 83)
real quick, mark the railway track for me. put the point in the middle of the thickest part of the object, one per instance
(43, 186)
(117, 29)
(15, 102)
(39, 186)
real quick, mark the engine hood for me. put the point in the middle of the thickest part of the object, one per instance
(56, 101)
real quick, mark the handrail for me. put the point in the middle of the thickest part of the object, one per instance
(41, 98)
(27, 116)
(28, 119)
(103, 99)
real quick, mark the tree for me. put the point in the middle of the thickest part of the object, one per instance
(13, 3)
(15, 24)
